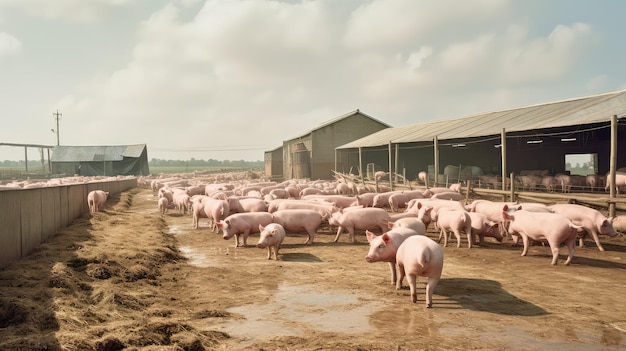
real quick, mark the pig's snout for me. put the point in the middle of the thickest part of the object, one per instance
(260, 246)
(369, 259)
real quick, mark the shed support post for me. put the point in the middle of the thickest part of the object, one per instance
(389, 176)
(436, 158)
(613, 165)
(503, 156)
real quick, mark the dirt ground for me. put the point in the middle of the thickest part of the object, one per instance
(130, 279)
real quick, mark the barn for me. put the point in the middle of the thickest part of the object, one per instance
(312, 154)
(274, 163)
(100, 160)
(533, 137)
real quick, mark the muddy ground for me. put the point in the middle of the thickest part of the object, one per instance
(129, 279)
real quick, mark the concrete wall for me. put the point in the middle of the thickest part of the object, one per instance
(29, 217)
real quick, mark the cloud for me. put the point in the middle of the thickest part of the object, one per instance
(9, 45)
(71, 10)
(546, 58)
(254, 73)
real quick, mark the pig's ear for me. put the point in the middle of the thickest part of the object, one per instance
(219, 224)
(228, 221)
(419, 205)
(390, 225)
(261, 227)
(505, 208)
(370, 236)
(386, 238)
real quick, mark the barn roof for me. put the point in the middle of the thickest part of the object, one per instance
(578, 111)
(96, 153)
(337, 119)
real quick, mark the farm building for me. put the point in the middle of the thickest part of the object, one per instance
(100, 160)
(540, 137)
(274, 163)
(312, 154)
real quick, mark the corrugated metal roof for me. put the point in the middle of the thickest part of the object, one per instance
(577, 111)
(95, 153)
(335, 120)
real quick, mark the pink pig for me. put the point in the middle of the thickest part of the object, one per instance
(359, 218)
(483, 227)
(420, 256)
(409, 222)
(593, 221)
(96, 200)
(271, 237)
(296, 220)
(164, 205)
(244, 224)
(383, 248)
(455, 221)
(543, 227)
(213, 209)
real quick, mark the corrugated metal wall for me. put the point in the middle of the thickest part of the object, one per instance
(29, 217)
(274, 163)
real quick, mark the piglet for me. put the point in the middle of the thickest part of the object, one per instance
(383, 248)
(420, 256)
(271, 237)
(96, 200)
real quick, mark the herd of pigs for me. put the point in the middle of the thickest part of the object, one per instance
(395, 222)
(543, 180)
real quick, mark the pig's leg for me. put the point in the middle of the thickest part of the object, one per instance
(245, 237)
(412, 278)
(311, 237)
(430, 288)
(392, 269)
(445, 237)
(351, 231)
(525, 241)
(457, 234)
(554, 247)
(236, 240)
(581, 241)
(400, 277)
(269, 252)
(469, 240)
(276, 248)
(571, 246)
(597, 240)
(339, 230)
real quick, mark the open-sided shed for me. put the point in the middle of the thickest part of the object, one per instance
(101, 160)
(531, 137)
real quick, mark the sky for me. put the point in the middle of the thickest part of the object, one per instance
(230, 79)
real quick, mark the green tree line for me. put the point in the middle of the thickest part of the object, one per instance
(205, 163)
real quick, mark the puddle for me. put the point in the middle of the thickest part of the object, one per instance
(174, 229)
(325, 312)
(200, 259)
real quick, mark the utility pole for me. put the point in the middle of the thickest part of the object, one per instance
(57, 116)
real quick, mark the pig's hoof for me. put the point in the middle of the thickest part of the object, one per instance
(430, 305)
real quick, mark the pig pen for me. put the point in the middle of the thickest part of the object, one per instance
(128, 278)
